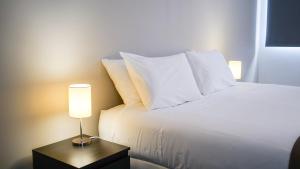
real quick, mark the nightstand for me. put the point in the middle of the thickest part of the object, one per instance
(100, 154)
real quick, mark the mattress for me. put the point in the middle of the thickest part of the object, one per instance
(247, 126)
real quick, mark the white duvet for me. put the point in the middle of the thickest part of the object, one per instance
(248, 126)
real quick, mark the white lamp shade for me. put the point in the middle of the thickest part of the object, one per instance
(236, 69)
(80, 104)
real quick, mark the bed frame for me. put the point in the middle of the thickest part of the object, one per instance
(295, 156)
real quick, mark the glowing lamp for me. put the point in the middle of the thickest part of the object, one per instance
(236, 69)
(80, 106)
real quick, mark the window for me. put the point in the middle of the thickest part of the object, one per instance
(283, 23)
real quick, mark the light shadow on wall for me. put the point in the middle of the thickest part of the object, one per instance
(24, 163)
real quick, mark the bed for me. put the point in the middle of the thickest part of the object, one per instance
(247, 126)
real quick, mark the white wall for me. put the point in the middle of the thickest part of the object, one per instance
(280, 65)
(45, 45)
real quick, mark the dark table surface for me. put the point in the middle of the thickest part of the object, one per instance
(77, 156)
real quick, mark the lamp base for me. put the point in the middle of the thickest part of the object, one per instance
(84, 141)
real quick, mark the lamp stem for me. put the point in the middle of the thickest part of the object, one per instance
(82, 140)
(81, 129)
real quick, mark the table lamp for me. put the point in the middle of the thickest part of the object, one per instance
(236, 69)
(80, 106)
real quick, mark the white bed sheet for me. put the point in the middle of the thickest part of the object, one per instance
(141, 164)
(248, 126)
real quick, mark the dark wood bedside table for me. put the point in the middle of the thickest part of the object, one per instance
(98, 155)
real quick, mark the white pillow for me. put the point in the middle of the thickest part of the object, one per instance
(211, 71)
(120, 77)
(162, 81)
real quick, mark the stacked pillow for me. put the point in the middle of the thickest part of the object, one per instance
(119, 75)
(160, 82)
(211, 71)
